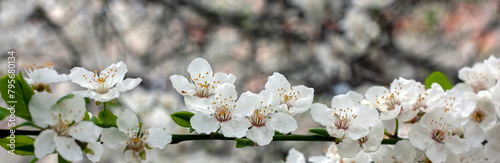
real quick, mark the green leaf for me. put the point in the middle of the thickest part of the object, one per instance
(23, 144)
(319, 132)
(277, 133)
(61, 160)
(18, 95)
(87, 117)
(244, 142)
(107, 119)
(182, 118)
(440, 78)
(4, 113)
(26, 124)
(33, 159)
(88, 151)
(191, 130)
(87, 100)
(142, 154)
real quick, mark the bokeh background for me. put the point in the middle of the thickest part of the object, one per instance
(330, 45)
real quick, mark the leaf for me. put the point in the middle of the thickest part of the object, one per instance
(440, 78)
(87, 100)
(182, 118)
(4, 113)
(277, 133)
(319, 132)
(244, 142)
(22, 144)
(26, 124)
(61, 160)
(18, 95)
(33, 159)
(106, 119)
(87, 116)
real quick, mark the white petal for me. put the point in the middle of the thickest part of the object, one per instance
(390, 114)
(71, 109)
(436, 152)
(419, 136)
(355, 97)
(375, 137)
(321, 114)
(282, 122)
(198, 104)
(128, 123)
(384, 154)
(491, 151)
(246, 104)
(40, 105)
(456, 144)
(235, 127)
(158, 137)
(277, 81)
(342, 102)
(112, 94)
(376, 92)
(96, 147)
(260, 135)
(474, 133)
(334, 131)
(304, 100)
(116, 71)
(404, 151)
(320, 159)
(221, 78)
(204, 123)
(45, 144)
(295, 156)
(199, 66)
(78, 75)
(348, 148)
(356, 132)
(47, 76)
(182, 85)
(226, 91)
(85, 131)
(68, 149)
(131, 157)
(408, 115)
(113, 138)
(366, 116)
(128, 84)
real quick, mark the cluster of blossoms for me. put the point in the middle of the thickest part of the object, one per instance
(214, 100)
(438, 124)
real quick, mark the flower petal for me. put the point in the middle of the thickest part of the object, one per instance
(356, 132)
(348, 148)
(85, 131)
(277, 81)
(245, 104)
(295, 156)
(81, 76)
(226, 91)
(436, 152)
(113, 137)
(235, 127)
(419, 136)
(182, 85)
(40, 105)
(128, 84)
(282, 122)
(71, 109)
(199, 66)
(404, 151)
(304, 99)
(158, 137)
(366, 116)
(116, 71)
(45, 144)
(322, 114)
(260, 135)
(131, 157)
(221, 78)
(456, 144)
(68, 149)
(96, 147)
(375, 137)
(47, 76)
(197, 104)
(204, 123)
(128, 123)
(342, 102)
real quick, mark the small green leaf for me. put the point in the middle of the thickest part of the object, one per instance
(87, 116)
(142, 154)
(191, 130)
(26, 124)
(4, 113)
(244, 142)
(61, 160)
(319, 132)
(440, 78)
(277, 133)
(87, 100)
(88, 151)
(33, 159)
(106, 119)
(18, 144)
(182, 118)
(16, 92)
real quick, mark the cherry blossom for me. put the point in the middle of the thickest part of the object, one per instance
(479, 77)
(295, 156)
(391, 102)
(44, 74)
(293, 100)
(106, 85)
(199, 89)
(370, 143)
(63, 125)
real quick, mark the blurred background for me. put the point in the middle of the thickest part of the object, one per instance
(330, 45)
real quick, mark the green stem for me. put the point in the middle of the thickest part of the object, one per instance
(397, 128)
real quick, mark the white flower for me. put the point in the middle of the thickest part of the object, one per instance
(129, 133)
(405, 152)
(331, 156)
(198, 91)
(492, 148)
(370, 143)
(457, 103)
(475, 154)
(44, 74)
(224, 113)
(293, 100)
(482, 118)
(434, 133)
(295, 156)
(265, 119)
(392, 102)
(479, 77)
(383, 154)
(347, 118)
(64, 125)
(97, 150)
(106, 85)
(426, 100)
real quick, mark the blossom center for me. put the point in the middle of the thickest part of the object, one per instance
(100, 83)
(344, 118)
(477, 116)
(222, 113)
(438, 135)
(202, 85)
(289, 97)
(137, 141)
(260, 116)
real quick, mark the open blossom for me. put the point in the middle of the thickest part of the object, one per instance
(293, 100)
(295, 156)
(44, 74)
(426, 100)
(457, 103)
(370, 143)
(225, 113)
(129, 133)
(481, 119)
(64, 125)
(391, 102)
(199, 89)
(434, 134)
(264, 118)
(347, 117)
(478, 78)
(106, 85)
